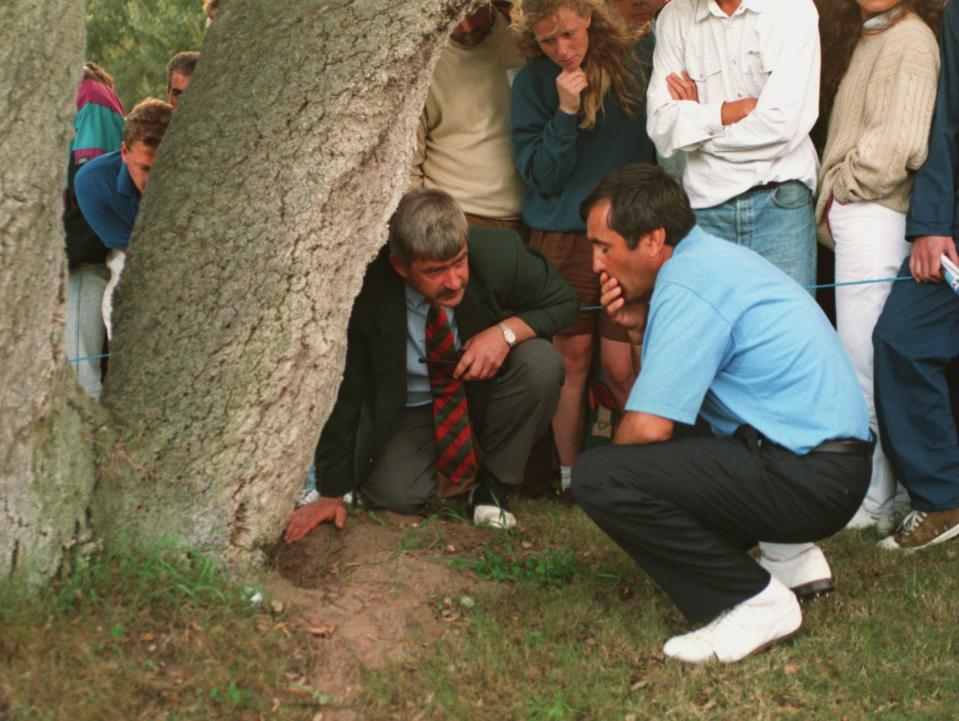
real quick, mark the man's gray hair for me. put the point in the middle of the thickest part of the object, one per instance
(428, 224)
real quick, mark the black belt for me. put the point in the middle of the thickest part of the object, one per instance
(845, 446)
(766, 186)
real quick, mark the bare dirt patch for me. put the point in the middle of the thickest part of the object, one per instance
(376, 592)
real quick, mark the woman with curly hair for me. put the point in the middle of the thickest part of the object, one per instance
(577, 113)
(881, 64)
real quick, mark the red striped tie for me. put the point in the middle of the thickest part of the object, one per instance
(456, 459)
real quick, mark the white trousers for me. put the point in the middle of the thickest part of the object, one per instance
(84, 330)
(870, 243)
(115, 262)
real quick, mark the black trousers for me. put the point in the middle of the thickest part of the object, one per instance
(688, 510)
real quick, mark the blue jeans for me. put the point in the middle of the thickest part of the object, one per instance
(778, 223)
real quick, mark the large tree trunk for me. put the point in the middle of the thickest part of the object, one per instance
(269, 196)
(46, 451)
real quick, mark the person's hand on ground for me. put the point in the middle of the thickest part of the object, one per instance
(924, 263)
(306, 518)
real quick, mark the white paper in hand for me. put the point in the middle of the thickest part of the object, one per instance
(950, 272)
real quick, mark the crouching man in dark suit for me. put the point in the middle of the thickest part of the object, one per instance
(448, 350)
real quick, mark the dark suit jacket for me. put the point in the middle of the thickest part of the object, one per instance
(505, 279)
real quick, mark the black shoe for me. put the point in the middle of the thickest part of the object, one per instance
(488, 491)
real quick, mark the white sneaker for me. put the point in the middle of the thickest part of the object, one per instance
(493, 517)
(771, 615)
(806, 574)
(306, 497)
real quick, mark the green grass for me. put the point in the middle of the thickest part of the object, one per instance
(165, 635)
(558, 624)
(500, 561)
(884, 646)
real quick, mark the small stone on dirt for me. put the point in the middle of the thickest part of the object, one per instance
(321, 631)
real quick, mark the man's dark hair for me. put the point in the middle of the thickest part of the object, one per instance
(147, 123)
(183, 63)
(642, 198)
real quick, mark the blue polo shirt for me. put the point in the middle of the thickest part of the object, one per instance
(108, 199)
(734, 339)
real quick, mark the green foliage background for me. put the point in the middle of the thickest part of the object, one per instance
(134, 39)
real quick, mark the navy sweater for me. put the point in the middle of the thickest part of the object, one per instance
(559, 161)
(933, 208)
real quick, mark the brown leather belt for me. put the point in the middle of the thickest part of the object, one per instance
(845, 446)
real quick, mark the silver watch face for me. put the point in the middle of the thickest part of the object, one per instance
(508, 334)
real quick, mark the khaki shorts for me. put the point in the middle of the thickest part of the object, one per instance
(572, 255)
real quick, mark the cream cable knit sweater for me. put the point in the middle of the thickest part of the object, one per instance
(462, 142)
(879, 128)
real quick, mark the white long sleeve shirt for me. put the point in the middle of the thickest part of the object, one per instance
(767, 49)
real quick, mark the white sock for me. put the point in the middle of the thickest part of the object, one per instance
(565, 477)
(783, 551)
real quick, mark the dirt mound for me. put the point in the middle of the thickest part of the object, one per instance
(372, 593)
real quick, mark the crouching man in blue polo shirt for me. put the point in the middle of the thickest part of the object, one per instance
(729, 340)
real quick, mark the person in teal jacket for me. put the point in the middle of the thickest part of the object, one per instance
(97, 130)
(577, 114)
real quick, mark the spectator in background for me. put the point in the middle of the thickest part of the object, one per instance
(210, 8)
(577, 113)
(178, 73)
(97, 129)
(735, 84)
(917, 335)
(638, 13)
(109, 188)
(883, 63)
(462, 142)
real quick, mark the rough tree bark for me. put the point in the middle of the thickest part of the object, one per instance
(46, 452)
(269, 195)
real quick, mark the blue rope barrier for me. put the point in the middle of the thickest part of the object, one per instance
(858, 282)
(590, 308)
(80, 359)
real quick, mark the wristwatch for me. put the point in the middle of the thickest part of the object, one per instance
(508, 335)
